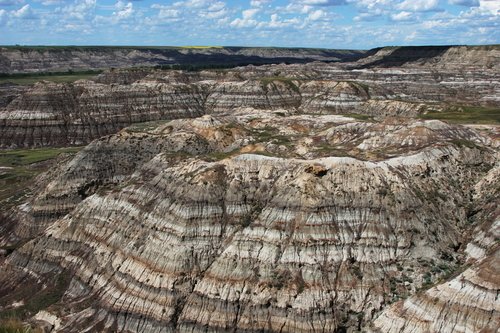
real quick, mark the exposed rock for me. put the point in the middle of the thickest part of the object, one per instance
(250, 200)
(26, 59)
(50, 114)
(249, 242)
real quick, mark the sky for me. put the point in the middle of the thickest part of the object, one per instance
(340, 24)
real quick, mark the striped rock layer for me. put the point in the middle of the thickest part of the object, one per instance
(50, 114)
(221, 225)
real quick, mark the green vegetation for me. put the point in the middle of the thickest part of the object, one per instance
(358, 116)
(147, 126)
(39, 299)
(464, 143)
(219, 155)
(466, 115)
(58, 77)
(326, 149)
(267, 81)
(19, 167)
(271, 135)
(14, 325)
(13, 158)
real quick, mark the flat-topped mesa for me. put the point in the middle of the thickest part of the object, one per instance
(188, 231)
(439, 57)
(54, 59)
(261, 94)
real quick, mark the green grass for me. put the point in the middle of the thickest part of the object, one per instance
(358, 116)
(14, 325)
(466, 115)
(17, 157)
(31, 79)
(21, 169)
(40, 299)
(266, 81)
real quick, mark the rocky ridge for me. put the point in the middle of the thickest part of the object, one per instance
(60, 114)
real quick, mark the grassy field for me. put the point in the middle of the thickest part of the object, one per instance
(19, 167)
(467, 115)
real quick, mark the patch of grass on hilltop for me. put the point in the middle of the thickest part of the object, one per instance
(17, 169)
(466, 115)
(12, 158)
(266, 81)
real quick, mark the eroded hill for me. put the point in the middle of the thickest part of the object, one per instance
(301, 198)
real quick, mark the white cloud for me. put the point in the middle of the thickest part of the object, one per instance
(3, 16)
(123, 11)
(316, 15)
(277, 23)
(247, 19)
(419, 5)
(166, 11)
(215, 10)
(491, 5)
(80, 9)
(322, 2)
(192, 3)
(370, 3)
(249, 13)
(296, 8)
(259, 3)
(25, 12)
(371, 15)
(402, 16)
(52, 2)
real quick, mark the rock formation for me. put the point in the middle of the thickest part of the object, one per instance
(54, 59)
(50, 114)
(183, 236)
(270, 199)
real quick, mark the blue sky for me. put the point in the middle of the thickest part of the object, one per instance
(358, 24)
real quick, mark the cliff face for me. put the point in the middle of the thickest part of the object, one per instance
(53, 59)
(59, 114)
(442, 57)
(181, 226)
(467, 302)
(53, 114)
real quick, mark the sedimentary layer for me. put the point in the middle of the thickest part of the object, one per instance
(198, 232)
